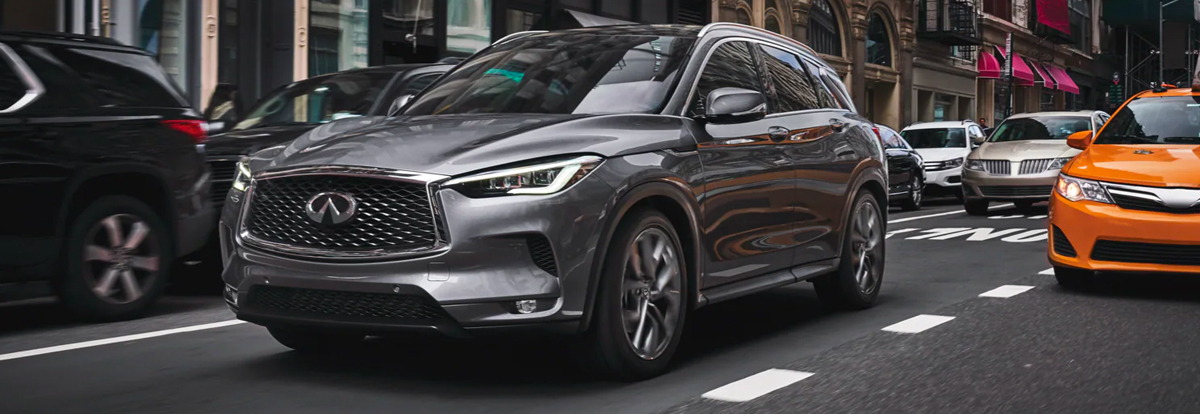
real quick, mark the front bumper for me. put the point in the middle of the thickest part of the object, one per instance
(470, 286)
(1083, 223)
(951, 178)
(978, 184)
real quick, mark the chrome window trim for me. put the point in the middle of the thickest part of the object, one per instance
(33, 86)
(431, 182)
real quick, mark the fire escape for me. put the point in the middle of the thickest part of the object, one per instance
(951, 22)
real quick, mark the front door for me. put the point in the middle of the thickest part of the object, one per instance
(749, 191)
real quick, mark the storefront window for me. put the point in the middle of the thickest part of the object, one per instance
(337, 35)
(163, 32)
(410, 16)
(823, 32)
(520, 20)
(468, 25)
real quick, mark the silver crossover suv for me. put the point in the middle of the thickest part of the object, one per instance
(600, 181)
(1020, 161)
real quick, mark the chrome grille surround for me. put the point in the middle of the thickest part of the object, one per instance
(430, 181)
(1157, 199)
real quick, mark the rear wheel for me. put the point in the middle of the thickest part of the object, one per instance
(913, 202)
(642, 300)
(1073, 278)
(976, 207)
(314, 342)
(860, 274)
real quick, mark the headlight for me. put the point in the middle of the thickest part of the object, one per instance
(547, 178)
(1058, 164)
(241, 179)
(1076, 189)
(975, 165)
(954, 163)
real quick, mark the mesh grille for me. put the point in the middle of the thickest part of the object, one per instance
(390, 214)
(222, 179)
(331, 303)
(1154, 253)
(1062, 246)
(1035, 166)
(997, 167)
(1138, 203)
(1016, 190)
(542, 254)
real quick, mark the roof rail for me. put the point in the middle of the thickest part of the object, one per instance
(64, 36)
(518, 35)
(717, 25)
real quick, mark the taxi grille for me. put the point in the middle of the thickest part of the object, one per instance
(1153, 253)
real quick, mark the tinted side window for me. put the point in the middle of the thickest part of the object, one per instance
(11, 87)
(793, 89)
(824, 93)
(730, 66)
(122, 79)
(839, 90)
(417, 84)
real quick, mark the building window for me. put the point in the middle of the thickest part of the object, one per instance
(520, 20)
(743, 15)
(824, 33)
(468, 25)
(338, 35)
(163, 32)
(999, 8)
(772, 24)
(879, 42)
(409, 16)
(1081, 24)
(775, 18)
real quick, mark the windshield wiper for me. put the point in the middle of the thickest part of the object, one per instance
(1133, 139)
(1186, 140)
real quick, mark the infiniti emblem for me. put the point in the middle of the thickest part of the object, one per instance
(330, 209)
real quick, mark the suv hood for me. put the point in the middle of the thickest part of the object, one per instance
(1165, 166)
(249, 141)
(942, 154)
(1024, 150)
(456, 144)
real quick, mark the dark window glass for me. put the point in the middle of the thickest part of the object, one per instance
(123, 79)
(879, 43)
(622, 9)
(409, 16)
(520, 20)
(824, 92)
(1169, 120)
(418, 84)
(1028, 129)
(793, 89)
(11, 88)
(318, 100)
(562, 73)
(824, 33)
(839, 89)
(730, 66)
(936, 137)
(655, 12)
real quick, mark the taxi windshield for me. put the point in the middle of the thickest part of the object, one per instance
(1166, 120)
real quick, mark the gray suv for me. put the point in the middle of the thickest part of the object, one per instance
(602, 182)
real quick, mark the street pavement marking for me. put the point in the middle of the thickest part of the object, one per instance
(943, 214)
(918, 323)
(1006, 291)
(119, 339)
(756, 385)
(1047, 272)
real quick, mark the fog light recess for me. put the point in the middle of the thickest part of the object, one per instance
(526, 306)
(231, 295)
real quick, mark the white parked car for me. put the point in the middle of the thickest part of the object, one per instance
(944, 146)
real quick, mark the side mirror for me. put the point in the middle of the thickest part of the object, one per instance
(399, 104)
(733, 105)
(1080, 140)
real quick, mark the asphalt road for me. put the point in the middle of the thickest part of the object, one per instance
(1123, 348)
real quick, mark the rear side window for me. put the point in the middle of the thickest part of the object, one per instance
(839, 89)
(123, 79)
(730, 66)
(793, 89)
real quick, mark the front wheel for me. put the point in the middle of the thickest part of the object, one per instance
(913, 202)
(860, 274)
(641, 302)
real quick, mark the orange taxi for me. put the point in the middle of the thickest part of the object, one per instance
(1131, 200)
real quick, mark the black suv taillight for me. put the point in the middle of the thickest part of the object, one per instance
(193, 128)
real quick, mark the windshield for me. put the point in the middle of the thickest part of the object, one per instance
(936, 137)
(1168, 120)
(562, 73)
(318, 100)
(1028, 129)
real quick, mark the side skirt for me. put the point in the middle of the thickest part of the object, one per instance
(766, 282)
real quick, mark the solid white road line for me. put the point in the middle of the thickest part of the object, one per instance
(756, 385)
(119, 339)
(943, 214)
(1006, 291)
(918, 323)
(1047, 272)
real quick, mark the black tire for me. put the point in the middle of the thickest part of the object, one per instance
(607, 348)
(915, 194)
(1023, 206)
(844, 289)
(976, 207)
(1073, 278)
(314, 342)
(83, 275)
(958, 193)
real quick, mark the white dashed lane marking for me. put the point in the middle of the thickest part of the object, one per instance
(1006, 291)
(919, 323)
(119, 339)
(756, 385)
(1047, 272)
(902, 220)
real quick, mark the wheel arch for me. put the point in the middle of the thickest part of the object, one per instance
(873, 180)
(130, 179)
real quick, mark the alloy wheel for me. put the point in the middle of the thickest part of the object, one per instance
(650, 296)
(917, 191)
(120, 258)
(867, 242)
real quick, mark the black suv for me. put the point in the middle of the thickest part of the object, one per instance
(102, 167)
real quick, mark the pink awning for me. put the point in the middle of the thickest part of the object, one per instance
(989, 67)
(1054, 14)
(1000, 51)
(1065, 83)
(1022, 75)
(1048, 82)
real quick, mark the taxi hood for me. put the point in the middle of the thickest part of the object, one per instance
(1148, 165)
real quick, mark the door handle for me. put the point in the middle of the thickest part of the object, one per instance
(837, 125)
(778, 133)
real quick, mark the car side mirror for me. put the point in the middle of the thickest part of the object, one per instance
(399, 104)
(734, 105)
(1080, 140)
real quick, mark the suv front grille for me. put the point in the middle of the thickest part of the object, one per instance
(1035, 166)
(1015, 190)
(1153, 253)
(343, 305)
(997, 167)
(390, 214)
(223, 171)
